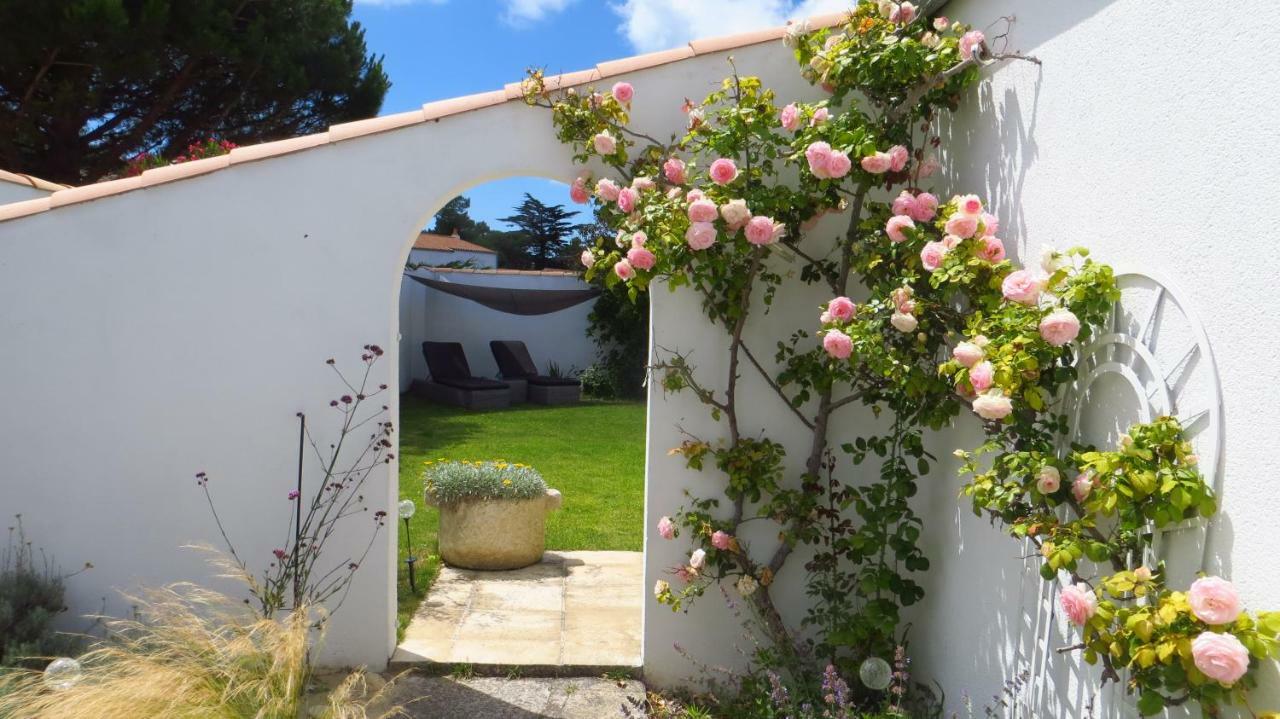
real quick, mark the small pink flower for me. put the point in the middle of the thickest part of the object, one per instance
(578, 192)
(1022, 287)
(703, 210)
(896, 224)
(280, 553)
(607, 190)
(1059, 327)
(1079, 603)
(926, 207)
(1142, 574)
(940, 23)
(837, 344)
(735, 214)
(951, 241)
(1048, 480)
(627, 198)
(638, 238)
(825, 317)
(623, 92)
(623, 270)
(640, 258)
(673, 169)
(961, 225)
(928, 167)
(904, 321)
(643, 183)
(904, 203)
(991, 249)
(968, 354)
(992, 405)
(666, 528)
(1214, 600)
(698, 559)
(820, 116)
(877, 164)
(1221, 657)
(906, 13)
(723, 171)
(1082, 486)
(721, 540)
(981, 376)
(700, 235)
(605, 143)
(970, 205)
(990, 224)
(694, 195)
(790, 118)
(969, 42)
(901, 298)
(587, 258)
(932, 254)
(842, 308)
(838, 165)
(898, 157)
(763, 230)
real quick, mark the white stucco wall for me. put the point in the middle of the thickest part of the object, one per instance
(444, 257)
(427, 314)
(18, 191)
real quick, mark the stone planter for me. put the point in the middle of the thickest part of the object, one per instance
(495, 533)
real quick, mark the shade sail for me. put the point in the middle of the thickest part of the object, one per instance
(511, 300)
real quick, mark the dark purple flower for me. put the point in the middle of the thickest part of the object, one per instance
(279, 553)
(293, 494)
(346, 399)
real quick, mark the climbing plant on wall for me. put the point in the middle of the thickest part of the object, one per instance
(946, 323)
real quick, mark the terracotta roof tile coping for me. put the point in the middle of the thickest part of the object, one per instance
(63, 195)
(500, 271)
(18, 178)
(447, 243)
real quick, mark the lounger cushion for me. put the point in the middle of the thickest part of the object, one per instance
(446, 360)
(553, 381)
(513, 358)
(472, 383)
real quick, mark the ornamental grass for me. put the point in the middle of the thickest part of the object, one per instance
(452, 482)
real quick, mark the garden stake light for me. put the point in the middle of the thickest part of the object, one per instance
(406, 511)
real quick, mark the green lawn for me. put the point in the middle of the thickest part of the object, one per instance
(592, 452)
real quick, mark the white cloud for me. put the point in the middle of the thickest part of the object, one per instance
(651, 25)
(527, 11)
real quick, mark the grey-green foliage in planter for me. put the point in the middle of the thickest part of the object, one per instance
(31, 597)
(452, 482)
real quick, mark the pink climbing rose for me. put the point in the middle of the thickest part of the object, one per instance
(703, 210)
(970, 205)
(723, 171)
(587, 258)
(820, 116)
(698, 559)
(607, 190)
(928, 167)
(932, 255)
(841, 308)
(961, 225)
(643, 183)
(673, 169)
(990, 224)
(896, 224)
(722, 540)
(898, 156)
(838, 165)
(1022, 287)
(1059, 327)
(1082, 486)
(967, 354)
(694, 195)
(992, 405)
(992, 249)
(1214, 600)
(969, 42)
(666, 528)
(578, 191)
(623, 270)
(818, 155)
(1079, 603)
(640, 258)
(790, 118)
(605, 143)
(638, 238)
(700, 235)
(877, 164)
(763, 230)
(735, 214)
(904, 203)
(627, 198)
(925, 207)
(837, 344)
(1048, 479)
(981, 376)
(1221, 657)
(623, 92)
(904, 321)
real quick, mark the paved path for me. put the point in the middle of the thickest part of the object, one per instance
(495, 698)
(574, 612)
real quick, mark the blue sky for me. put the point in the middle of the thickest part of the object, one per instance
(437, 49)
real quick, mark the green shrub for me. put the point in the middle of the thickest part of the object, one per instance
(31, 597)
(452, 482)
(620, 328)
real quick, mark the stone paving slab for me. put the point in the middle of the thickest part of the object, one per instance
(424, 697)
(579, 610)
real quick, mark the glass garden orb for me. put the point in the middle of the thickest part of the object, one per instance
(62, 673)
(407, 508)
(876, 674)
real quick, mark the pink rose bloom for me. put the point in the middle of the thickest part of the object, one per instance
(901, 298)
(990, 224)
(623, 92)
(684, 574)
(1221, 657)
(876, 164)
(638, 238)
(904, 204)
(820, 116)
(643, 184)
(721, 540)
(838, 165)
(604, 143)
(992, 405)
(723, 171)
(904, 321)
(790, 117)
(640, 258)
(1048, 480)
(898, 157)
(703, 210)
(825, 317)
(896, 225)
(1059, 327)
(842, 308)
(926, 207)
(1214, 600)
(981, 376)
(961, 225)
(928, 166)
(623, 270)
(700, 235)
(763, 230)
(578, 192)
(1082, 486)
(992, 249)
(819, 156)
(932, 254)
(940, 23)
(1079, 603)
(967, 354)
(1021, 287)
(906, 13)
(969, 41)
(1142, 574)
(698, 559)
(587, 258)
(694, 195)
(951, 241)
(607, 190)
(666, 528)
(735, 213)
(837, 344)
(627, 198)
(673, 168)
(970, 205)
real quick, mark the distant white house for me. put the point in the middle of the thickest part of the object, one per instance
(16, 188)
(432, 250)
